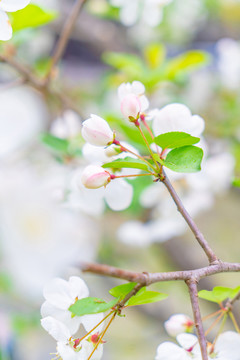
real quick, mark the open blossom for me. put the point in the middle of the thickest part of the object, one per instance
(178, 324)
(177, 117)
(69, 348)
(135, 88)
(227, 347)
(68, 125)
(9, 6)
(60, 295)
(94, 177)
(96, 131)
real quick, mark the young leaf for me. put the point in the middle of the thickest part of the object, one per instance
(91, 305)
(185, 159)
(219, 294)
(57, 144)
(31, 16)
(146, 297)
(236, 182)
(175, 139)
(121, 291)
(127, 162)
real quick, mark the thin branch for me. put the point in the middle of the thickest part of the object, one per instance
(197, 233)
(151, 278)
(193, 291)
(230, 303)
(65, 34)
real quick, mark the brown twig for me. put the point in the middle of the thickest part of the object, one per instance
(197, 233)
(151, 278)
(65, 35)
(192, 287)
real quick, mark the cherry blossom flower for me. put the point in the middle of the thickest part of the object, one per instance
(137, 89)
(60, 295)
(178, 324)
(150, 11)
(69, 348)
(229, 62)
(96, 131)
(227, 347)
(9, 6)
(177, 117)
(68, 125)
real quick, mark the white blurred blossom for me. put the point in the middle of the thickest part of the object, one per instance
(67, 126)
(229, 62)
(148, 11)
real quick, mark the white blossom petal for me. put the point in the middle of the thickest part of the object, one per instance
(90, 321)
(5, 26)
(170, 351)
(56, 329)
(13, 5)
(118, 194)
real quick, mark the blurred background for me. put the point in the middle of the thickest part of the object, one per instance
(182, 51)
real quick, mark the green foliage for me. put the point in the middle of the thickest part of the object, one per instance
(142, 297)
(61, 146)
(121, 291)
(127, 162)
(146, 297)
(236, 182)
(185, 159)
(153, 67)
(91, 305)
(175, 139)
(31, 16)
(185, 63)
(154, 55)
(219, 294)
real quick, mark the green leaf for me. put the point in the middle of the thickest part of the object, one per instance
(127, 162)
(185, 159)
(175, 139)
(128, 63)
(31, 16)
(154, 54)
(91, 305)
(186, 62)
(57, 144)
(146, 297)
(121, 291)
(236, 182)
(219, 294)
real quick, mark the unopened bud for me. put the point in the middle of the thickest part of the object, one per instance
(178, 324)
(94, 177)
(113, 150)
(96, 131)
(131, 107)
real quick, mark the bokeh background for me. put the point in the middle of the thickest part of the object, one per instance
(188, 52)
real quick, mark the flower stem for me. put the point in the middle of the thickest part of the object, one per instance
(111, 312)
(234, 321)
(125, 176)
(103, 333)
(148, 146)
(214, 323)
(138, 156)
(211, 315)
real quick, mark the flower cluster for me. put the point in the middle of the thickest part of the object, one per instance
(61, 325)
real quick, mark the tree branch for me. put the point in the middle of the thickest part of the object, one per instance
(197, 233)
(193, 291)
(65, 35)
(151, 278)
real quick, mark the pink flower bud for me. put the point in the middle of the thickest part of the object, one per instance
(94, 177)
(178, 324)
(131, 107)
(97, 132)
